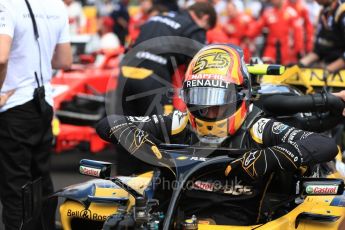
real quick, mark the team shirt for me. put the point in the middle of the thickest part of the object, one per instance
(24, 60)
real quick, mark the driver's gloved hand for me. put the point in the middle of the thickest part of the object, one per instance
(139, 143)
(258, 163)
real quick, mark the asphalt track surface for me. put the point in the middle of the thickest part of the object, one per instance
(64, 170)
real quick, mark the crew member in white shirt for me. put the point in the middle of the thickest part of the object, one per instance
(26, 101)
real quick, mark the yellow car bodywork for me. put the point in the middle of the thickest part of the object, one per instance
(308, 77)
(312, 204)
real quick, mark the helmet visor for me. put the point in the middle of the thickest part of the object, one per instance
(207, 96)
(212, 113)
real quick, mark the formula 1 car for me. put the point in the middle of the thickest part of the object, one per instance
(130, 202)
(79, 100)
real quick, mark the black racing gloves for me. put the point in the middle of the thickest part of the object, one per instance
(283, 148)
(117, 130)
(258, 163)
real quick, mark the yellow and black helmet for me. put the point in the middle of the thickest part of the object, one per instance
(217, 92)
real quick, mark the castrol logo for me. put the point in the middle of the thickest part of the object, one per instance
(89, 171)
(321, 189)
(203, 186)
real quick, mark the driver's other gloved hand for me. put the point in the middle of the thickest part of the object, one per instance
(258, 163)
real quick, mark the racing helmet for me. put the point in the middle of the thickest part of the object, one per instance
(217, 92)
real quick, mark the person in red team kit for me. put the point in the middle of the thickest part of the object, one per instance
(236, 25)
(217, 35)
(284, 38)
(236, 28)
(233, 31)
(308, 27)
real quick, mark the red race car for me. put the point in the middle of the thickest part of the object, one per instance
(79, 100)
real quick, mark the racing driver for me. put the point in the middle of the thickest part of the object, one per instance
(217, 93)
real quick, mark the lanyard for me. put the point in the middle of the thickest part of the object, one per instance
(32, 16)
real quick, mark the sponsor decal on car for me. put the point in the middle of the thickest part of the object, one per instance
(321, 189)
(207, 186)
(232, 189)
(89, 171)
(316, 77)
(182, 158)
(237, 190)
(198, 159)
(86, 214)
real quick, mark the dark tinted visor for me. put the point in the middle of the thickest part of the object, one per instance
(213, 113)
(208, 96)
